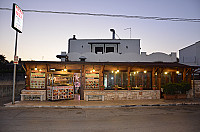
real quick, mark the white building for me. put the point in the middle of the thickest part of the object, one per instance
(113, 50)
(190, 55)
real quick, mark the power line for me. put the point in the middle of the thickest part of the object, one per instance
(112, 15)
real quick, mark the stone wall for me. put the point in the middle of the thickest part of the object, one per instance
(124, 94)
(6, 88)
(196, 89)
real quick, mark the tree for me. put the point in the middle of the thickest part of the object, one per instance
(3, 60)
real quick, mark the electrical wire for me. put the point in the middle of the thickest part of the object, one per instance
(112, 15)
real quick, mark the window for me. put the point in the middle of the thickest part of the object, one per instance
(99, 49)
(111, 79)
(109, 49)
(140, 78)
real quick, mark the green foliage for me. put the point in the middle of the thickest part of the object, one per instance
(176, 88)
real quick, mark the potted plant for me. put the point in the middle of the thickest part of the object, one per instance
(129, 87)
(116, 87)
(154, 87)
(141, 87)
(102, 87)
(27, 87)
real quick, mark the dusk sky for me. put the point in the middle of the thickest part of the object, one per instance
(46, 35)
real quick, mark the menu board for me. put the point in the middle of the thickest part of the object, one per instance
(37, 80)
(92, 80)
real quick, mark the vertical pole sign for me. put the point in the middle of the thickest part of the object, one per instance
(17, 24)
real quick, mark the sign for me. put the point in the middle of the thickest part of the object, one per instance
(17, 18)
(37, 75)
(15, 59)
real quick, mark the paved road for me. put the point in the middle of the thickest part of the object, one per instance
(139, 119)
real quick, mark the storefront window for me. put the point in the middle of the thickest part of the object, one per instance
(140, 79)
(112, 78)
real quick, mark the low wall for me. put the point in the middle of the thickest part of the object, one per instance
(195, 89)
(124, 94)
(6, 88)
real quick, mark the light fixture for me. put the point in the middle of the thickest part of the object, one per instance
(145, 71)
(65, 69)
(177, 72)
(93, 70)
(40, 70)
(35, 68)
(137, 72)
(134, 72)
(52, 69)
(156, 74)
(117, 70)
(112, 71)
(165, 73)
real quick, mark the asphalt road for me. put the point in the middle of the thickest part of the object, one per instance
(138, 119)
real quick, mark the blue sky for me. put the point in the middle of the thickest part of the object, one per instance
(46, 35)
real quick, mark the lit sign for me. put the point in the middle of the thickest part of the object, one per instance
(17, 18)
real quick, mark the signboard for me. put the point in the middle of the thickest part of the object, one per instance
(17, 18)
(15, 59)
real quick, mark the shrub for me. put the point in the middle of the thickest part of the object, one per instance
(170, 88)
(176, 88)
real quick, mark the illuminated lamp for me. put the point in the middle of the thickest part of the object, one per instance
(145, 71)
(165, 73)
(134, 72)
(112, 71)
(35, 68)
(117, 70)
(177, 72)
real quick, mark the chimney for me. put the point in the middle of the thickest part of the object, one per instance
(74, 36)
(113, 31)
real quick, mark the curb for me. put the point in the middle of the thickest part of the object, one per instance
(106, 106)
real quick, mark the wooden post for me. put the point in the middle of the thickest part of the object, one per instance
(189, 76)
(101, 76)
(184, 74)
(153, 77)
(159, 80)
(129, 69)
(82, 82)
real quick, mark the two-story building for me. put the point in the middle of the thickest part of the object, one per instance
(105, 69)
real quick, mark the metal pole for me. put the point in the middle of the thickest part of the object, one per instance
(14, 73)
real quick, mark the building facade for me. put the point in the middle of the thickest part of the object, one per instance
(104, 69)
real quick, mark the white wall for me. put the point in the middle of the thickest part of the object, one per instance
(190, 55)
(127, 57)
(82, 46)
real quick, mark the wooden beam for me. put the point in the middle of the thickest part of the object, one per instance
(129, 69)
(82, 82)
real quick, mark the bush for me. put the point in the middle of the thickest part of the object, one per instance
(170, 88)
(176, 88)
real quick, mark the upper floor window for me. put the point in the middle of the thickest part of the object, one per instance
(98, 49)
(109, 49)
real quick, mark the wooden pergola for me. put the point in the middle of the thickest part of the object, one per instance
(156, 69)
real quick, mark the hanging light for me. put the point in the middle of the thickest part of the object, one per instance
(112, 71)
(134, 72)
(156, 74)
(165, 73)
(145, 71)
(65, 69)
(35, 68)
(93, 70)
(177, 72)
(117, 70)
